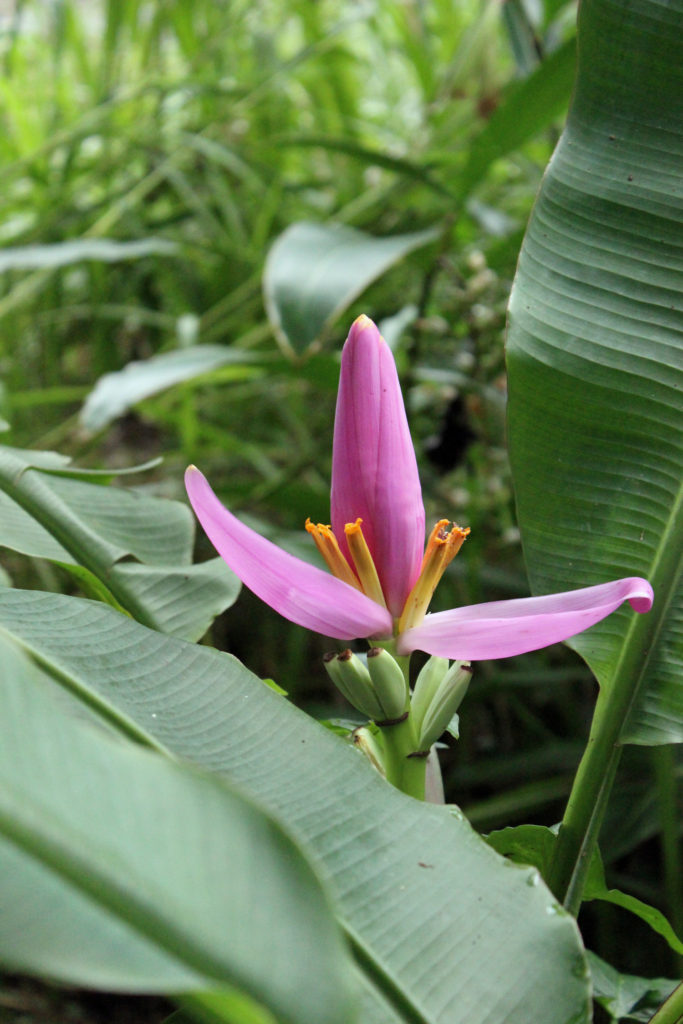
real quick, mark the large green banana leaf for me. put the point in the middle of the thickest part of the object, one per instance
(443, 930)
(122, 869)
(595, 354)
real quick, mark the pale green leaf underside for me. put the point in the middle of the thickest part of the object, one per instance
(426, 903)
(183, 600)
(122, 869)
(594, 353)
(114, 393)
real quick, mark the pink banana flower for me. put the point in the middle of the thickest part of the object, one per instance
(380, 581)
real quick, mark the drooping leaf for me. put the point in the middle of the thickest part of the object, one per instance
(314, 272)
(115, 393)
(534, 844)
(372, 157)
(596, 889)
(427, 906)
(625, 996)
(63, 254)
(594, 355)
(129, 549)
(123, 869)
(525, 844)
(93, 475)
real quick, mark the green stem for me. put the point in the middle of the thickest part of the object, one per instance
(664, 762)
(670, 1012)
(403, 771)
(578, 836)
(585, 810)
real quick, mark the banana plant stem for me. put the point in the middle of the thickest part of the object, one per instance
(666, 784)
(583, 818)
(578, 836)
(670, 1012)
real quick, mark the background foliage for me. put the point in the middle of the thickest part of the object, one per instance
(167, 150)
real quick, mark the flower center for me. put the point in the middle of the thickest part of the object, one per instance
(442, 547)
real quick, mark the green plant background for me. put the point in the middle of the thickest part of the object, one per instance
(183, 174)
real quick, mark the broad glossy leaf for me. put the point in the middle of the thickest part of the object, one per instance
(314, 271)
(116, 392)
(123, 869)
(124, 547)
(594, 354)
(427, 905)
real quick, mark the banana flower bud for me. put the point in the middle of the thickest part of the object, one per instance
(350, 675)
(438, 702)
(389, 684)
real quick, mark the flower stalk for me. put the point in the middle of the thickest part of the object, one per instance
(404, 766)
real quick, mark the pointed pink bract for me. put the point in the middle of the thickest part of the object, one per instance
(500, 629)
(375, 478)
(374, 470)
(297, 590)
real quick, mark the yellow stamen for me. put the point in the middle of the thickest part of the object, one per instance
(362, 560)
(442, 547)
(327, 545)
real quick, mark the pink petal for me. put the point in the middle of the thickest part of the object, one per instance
(501, 629)
(374, 471)
(300, 592)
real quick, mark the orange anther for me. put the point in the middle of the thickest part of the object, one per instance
(327, 545)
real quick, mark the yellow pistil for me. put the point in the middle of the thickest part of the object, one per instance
(362, 560)
(327, 545)
(442, 546)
